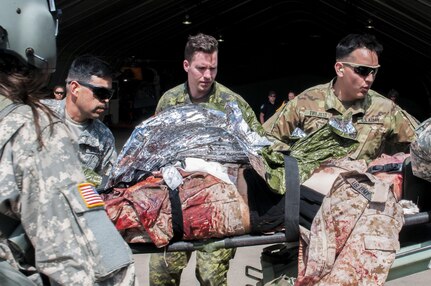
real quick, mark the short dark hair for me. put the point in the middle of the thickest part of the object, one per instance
(356, 41)
(200, 43)
(59, 86)
(83, 67)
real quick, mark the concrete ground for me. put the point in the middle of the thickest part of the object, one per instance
(245, 256)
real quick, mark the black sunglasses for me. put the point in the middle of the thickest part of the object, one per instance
(59, 92)
(102, 93)
(363, 70)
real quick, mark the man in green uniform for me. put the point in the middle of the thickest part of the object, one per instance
(381, 125)
(200, 64)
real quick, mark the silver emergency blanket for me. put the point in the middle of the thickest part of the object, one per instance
(343, 126)
(199, 131)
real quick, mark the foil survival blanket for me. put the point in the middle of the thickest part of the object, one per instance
(137, 198)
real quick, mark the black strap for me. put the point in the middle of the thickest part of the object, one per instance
(387, 168)
(177, 215)
(292, 196)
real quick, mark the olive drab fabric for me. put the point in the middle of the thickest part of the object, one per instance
(41, 190)
(420, 151)
(354, 236)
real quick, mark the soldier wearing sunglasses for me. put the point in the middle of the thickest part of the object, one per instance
(88, 85)
(381, 125)
(58, 92)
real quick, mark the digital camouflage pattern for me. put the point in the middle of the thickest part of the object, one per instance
(354, 236)
(382, 126)
(97, 149)
(420, 151)
(211, 267)
(218, 96)
(39, 190)
(320, 146)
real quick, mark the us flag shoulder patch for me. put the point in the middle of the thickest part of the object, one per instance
(90, 196)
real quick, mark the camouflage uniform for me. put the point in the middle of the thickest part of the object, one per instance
(354, 236)
(96, 143)
(420, 151)
(41, 194)
(382, 126)
(218, 96)
(211, 267)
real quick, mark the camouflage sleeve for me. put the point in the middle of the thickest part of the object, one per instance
(281, 125)
(403, 127)
(60, 253)
(162, 104)
(172, 97)
(420, 151)
(110, 156)
(43, 185)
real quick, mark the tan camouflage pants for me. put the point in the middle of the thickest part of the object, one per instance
(353, 240)
(211, 267)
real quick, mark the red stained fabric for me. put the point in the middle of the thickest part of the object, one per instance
(211, 208)
(395, 178)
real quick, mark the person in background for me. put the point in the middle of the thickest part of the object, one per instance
(290, 96)
(89, 84)
(393, 95)
(268, 108)
(381, 125)
(200, 64)
(58, 92)
(51, 231)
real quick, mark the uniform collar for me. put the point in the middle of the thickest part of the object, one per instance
(210, 93)
(333, 103)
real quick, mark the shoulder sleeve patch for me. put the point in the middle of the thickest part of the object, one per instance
(90, 196)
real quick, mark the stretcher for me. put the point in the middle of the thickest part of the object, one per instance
(290, 231)
(301, 204)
